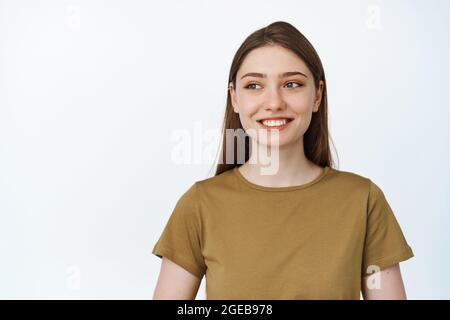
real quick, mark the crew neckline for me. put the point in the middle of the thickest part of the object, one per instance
(287, 188)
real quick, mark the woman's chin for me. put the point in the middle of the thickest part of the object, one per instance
(275, 141)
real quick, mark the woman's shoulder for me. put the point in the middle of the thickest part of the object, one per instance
(349, 175)
(357, 181)
(221, 179)
(344, 178)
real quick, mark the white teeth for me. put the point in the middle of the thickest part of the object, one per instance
(274, 123)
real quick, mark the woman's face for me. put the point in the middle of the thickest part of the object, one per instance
(273, 82)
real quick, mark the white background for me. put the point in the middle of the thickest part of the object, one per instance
(91, 93)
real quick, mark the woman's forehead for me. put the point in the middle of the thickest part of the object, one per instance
(272, 61)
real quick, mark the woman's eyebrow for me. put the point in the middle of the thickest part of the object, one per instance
(282, 75)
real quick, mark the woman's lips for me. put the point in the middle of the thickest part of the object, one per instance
(280, 127)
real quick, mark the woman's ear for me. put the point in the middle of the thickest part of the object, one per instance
(318, 97)
(233, 97)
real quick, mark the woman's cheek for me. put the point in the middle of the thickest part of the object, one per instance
(301, 104)
(249, 108)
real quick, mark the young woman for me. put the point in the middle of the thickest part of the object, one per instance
(302, 230)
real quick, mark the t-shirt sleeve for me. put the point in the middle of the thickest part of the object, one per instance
(385, 244)
(181, 239)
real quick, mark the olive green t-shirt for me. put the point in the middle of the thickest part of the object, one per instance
(313, 241)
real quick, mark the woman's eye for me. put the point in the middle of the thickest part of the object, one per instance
(298, 84)
(251, 84)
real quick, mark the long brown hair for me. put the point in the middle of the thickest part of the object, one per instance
(316, 137)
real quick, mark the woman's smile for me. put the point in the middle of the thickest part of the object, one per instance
(276, 123)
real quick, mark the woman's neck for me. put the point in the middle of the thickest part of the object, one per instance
(280, 166)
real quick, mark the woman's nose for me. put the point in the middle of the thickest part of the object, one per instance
(274, 100)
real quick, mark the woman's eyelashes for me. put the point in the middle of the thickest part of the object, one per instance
(298, 84)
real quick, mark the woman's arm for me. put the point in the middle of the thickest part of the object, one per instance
(386, 284)
(175, 283)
